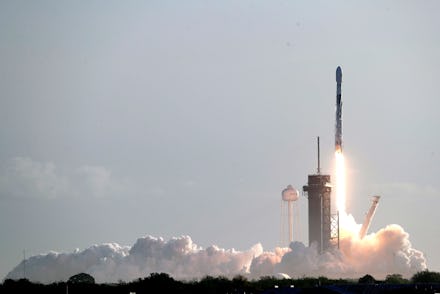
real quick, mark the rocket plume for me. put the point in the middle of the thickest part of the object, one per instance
(340, 182)
(347, 224)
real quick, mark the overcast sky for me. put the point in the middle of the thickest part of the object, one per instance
(120, 119)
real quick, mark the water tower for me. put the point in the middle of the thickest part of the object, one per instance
(289, 195)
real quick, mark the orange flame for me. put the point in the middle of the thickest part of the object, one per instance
(340, 182)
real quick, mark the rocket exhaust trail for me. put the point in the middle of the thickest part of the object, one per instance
(340, 182)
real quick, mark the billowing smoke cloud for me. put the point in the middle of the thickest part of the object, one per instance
(387, 251)
(179, 257)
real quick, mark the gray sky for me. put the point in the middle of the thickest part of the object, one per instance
(169, 118)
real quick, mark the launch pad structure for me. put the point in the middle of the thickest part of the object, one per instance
(318, 191)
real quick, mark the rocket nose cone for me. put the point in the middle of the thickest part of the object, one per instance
(339, 75)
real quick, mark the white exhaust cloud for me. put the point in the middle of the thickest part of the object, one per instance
(179, 257)
(387, 251)
(379, 254)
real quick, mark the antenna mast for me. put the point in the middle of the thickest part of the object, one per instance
(24, 264)
(319, 159)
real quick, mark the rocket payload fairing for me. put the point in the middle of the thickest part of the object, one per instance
(338, 129)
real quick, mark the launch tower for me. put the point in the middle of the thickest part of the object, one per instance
(318, 192)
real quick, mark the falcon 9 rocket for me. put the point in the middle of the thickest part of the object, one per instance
(338, 129)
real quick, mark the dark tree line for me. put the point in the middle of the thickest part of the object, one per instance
(422, 282)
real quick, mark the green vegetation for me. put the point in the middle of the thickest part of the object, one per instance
(163, 283)
(426, 277)
(396, 279)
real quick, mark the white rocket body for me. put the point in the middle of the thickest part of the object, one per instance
(338, 127)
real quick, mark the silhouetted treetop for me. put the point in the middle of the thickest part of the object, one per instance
(426, 277)
(81, 278)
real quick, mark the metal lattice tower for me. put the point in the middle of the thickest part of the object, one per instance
(334, 235)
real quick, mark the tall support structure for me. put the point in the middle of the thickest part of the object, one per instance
(24, 264)
(319, 159)
(318, 191)
(368, 217)
(289, 195)
(335, 230)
